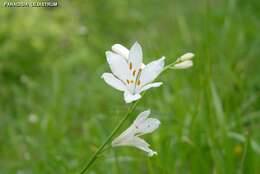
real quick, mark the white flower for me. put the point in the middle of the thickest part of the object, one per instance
(129, 74)
(131, 136)
(185, 61)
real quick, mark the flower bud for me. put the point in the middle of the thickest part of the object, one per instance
(183, 65)
(186, 56)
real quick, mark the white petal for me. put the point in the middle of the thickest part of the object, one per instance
(134, 141)
(123, 138)
(148, 126)
(121, 50)
(184, 65)
(136, 56)
(151, 85)
(151, 71)
(141, 117)
(142, 145)
(113, 81)
(130, 97)
(152, 153)
(118, 65)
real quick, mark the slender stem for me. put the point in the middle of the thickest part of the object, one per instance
(94, 157)
(169, 66)
(246, 144)
(105, 149)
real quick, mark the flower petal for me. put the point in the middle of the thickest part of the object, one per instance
(142, 66)
(151, 85)
(123, 138)
(136, 56)
(148, 126)
(142, 145)
(113, 81)
(142, 117)
(121, 50)
(130, 97)
(151, 71)
(118, 65)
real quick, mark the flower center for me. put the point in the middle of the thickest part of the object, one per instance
(135, 76)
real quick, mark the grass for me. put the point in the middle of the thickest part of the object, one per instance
(55, 110)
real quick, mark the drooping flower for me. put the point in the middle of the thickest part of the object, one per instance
(184, 62)
(129, 74)
(131, 136)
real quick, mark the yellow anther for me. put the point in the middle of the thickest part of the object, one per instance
(127, 81)
(138, 82)
(134, 72)
(130, 65)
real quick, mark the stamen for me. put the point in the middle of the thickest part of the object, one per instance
(134, 72)
(130, 66)
(131, 81)
(128, 82)
(138, 82)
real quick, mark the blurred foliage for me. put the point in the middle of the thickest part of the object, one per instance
(55, 110)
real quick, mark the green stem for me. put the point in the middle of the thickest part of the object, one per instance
(169, 66)
(94, 157)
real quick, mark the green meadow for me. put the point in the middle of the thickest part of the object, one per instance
(55, 110)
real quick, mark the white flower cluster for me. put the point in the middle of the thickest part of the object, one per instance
(131, 76)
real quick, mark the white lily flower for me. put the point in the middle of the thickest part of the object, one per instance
(129, 74)
(131, 136)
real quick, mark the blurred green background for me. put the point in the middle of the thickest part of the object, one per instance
(55, 110)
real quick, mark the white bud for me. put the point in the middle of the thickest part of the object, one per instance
(186, 56)
(183, 65)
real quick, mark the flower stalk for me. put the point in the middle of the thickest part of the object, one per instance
(108, 140)
(183, 62)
